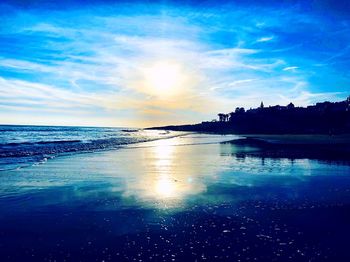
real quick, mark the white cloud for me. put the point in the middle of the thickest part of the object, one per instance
(239, 82)
(265, 39)
(290, 68)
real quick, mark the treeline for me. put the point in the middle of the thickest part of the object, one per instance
(322, 118)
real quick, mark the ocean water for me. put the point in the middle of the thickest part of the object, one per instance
(22, 146)
(188, 197)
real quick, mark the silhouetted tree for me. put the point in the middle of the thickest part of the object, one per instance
(221, 117)
(290, 106)
(322, 118)
(231, 116)
(240, 110)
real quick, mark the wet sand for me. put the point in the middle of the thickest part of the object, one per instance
(306, 139)
(181, 199)
(321, 148)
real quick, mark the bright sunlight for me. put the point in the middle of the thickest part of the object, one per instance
(164, 78)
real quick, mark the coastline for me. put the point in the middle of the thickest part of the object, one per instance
(22, 146)
(322, 118)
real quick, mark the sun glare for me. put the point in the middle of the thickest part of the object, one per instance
(163, 78)
(165, 187)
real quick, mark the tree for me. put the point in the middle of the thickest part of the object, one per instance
(221, 117)
(239, 110)
(231, 116)
(290, 105)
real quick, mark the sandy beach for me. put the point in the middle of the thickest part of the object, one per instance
(176, 199)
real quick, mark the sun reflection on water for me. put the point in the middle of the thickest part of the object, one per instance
(166, 174)
(164, 156)
(165, 187)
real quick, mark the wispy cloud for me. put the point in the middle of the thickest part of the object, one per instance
(265, 39)
(290, 68)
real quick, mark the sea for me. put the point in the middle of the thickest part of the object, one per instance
(25, 145)
(127, 194)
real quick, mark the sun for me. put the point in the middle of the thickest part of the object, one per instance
(163, 78)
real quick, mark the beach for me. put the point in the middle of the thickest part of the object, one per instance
(185, 198)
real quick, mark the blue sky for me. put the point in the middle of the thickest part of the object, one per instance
(89, 62)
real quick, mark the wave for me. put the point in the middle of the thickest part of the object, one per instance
(25, 145)
(50, 148)
(130, 130)
(39, 143)
(57, 129)
(54, 147)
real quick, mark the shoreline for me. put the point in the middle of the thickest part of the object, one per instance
(293, 146)
(282, 138)
(25, 154)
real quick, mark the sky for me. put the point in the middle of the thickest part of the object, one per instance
(148, 63)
